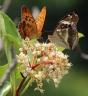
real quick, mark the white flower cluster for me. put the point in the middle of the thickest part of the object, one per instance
(47, 62)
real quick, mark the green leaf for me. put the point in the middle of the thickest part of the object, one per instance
(5, 89)
(80, 35)
(2, 70)
(33, 41)
(7, 47)
(13, 42)
(18, 78)
(7, 27)
(30, 56)
(10, 37)
(61, 48)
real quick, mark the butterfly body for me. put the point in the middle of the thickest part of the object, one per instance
(29, 27)
(65, 33)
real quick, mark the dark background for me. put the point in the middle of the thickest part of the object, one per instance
(75, 83)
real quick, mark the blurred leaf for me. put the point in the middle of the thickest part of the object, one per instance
(3, 69)
(8, 27)
(13, 42)
(80, 35)
(61, 48)
(33, 41)
(17, 73)
(10, 37)
(5, 89)
(31, 56)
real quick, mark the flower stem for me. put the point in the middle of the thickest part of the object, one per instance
(22, 82)
(26, 87)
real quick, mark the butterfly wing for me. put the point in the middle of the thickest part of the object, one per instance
(27, 27)
(65, 33)
(40, 20)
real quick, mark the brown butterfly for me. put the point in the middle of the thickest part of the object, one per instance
(65, 33)
(28, 27)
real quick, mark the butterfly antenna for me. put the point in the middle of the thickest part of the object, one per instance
(47, 31)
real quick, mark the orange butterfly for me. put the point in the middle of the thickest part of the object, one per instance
(28, 27)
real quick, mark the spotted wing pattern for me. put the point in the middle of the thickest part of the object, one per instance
(40, 20)
(28, 27)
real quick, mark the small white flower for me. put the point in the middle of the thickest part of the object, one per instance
(65, 72)
(43, 49)
(18, 61)
(24, 45)
(57, 69)
(55, 80)
(48, 80)
(26, 61)
(29, 70)
(38, 60)
(26, 48)
(45, 59)
(42, 91)
(21, 49)
(56, 85)
(36, 76)
(59, 77)
(52, 54)
(37, 44)
(51, 67)
(38, 52)
(22, 54)
(24, 74)
(44, 44)
(69, 64)
(34, 52)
